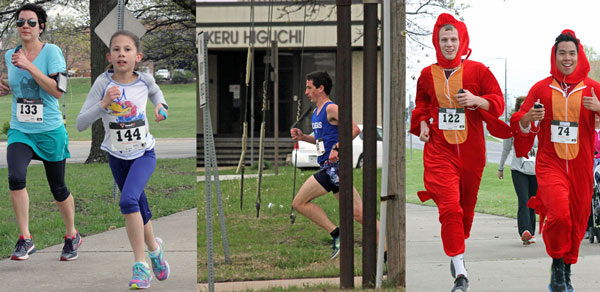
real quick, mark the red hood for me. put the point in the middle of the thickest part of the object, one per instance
(463, 38)
(582, 69)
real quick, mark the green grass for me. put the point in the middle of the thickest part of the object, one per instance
(180, 97)
(270, 247)
(171, 189)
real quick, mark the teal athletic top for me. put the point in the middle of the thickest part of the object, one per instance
(49, 138)
(50, 60)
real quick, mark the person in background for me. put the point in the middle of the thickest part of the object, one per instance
(523, 176)
(596, 161)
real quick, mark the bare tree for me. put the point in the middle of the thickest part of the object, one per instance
(420, 18)
(98, 11)
(72, 36)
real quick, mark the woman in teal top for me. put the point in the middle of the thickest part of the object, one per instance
(36, 127)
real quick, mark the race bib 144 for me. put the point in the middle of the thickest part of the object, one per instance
(128, 136)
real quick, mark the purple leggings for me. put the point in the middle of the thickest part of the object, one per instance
(131, 177)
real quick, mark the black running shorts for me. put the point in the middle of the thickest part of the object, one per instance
(323, 178)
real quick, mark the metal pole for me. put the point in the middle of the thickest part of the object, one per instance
(369, 143)
(207, 161)
(386, 44)
(252, 40)
(410, 108)
(505, 92)
(120, 8)
(209, 215)
(344, 91)
(275, 58)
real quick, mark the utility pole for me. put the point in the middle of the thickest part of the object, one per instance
(505, 92)
(344, 91)
(369, 143)
(396, 213)
(275, 58)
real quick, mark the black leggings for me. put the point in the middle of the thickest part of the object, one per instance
(19, 155)
(525, 187)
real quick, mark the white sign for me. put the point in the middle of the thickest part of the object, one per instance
(202, 68)
(108, 25)
(235, 89)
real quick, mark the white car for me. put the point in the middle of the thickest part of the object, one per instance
(162, 73)
(307, 152)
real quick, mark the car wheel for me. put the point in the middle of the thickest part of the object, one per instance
(359, 163)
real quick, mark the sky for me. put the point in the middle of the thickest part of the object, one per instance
(523, 32)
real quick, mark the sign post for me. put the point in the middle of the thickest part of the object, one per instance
(210, 166)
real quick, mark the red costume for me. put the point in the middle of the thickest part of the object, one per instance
(454, 159)
(564, 164)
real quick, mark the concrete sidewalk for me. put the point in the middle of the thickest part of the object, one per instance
(495, 258)
(105, 262)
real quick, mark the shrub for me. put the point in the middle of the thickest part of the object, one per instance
(5, 127)
(183, 77)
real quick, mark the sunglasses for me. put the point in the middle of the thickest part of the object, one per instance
(32, 22)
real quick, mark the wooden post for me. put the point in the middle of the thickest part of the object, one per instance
(344, 91)
(396, 220)
(369, 143)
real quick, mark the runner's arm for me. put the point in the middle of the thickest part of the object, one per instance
(92, 108)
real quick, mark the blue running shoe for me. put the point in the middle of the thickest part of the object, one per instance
(141, 277)
(160, 267)
(336, 248)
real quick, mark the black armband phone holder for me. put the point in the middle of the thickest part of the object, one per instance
(61, 81)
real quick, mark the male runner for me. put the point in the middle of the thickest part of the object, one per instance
(454, 98)
(564, 104)
(325, 127)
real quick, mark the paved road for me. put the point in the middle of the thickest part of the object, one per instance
(165, 148)
(495, 258)
(105, 262)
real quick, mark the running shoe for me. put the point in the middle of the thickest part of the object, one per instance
(461, 284)
(141, 277)
(23, 249)
(69, 251)
(525, 237)
(160, 267)
(532, 240)
(557, 277)
(568, 278)
(336, 248)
